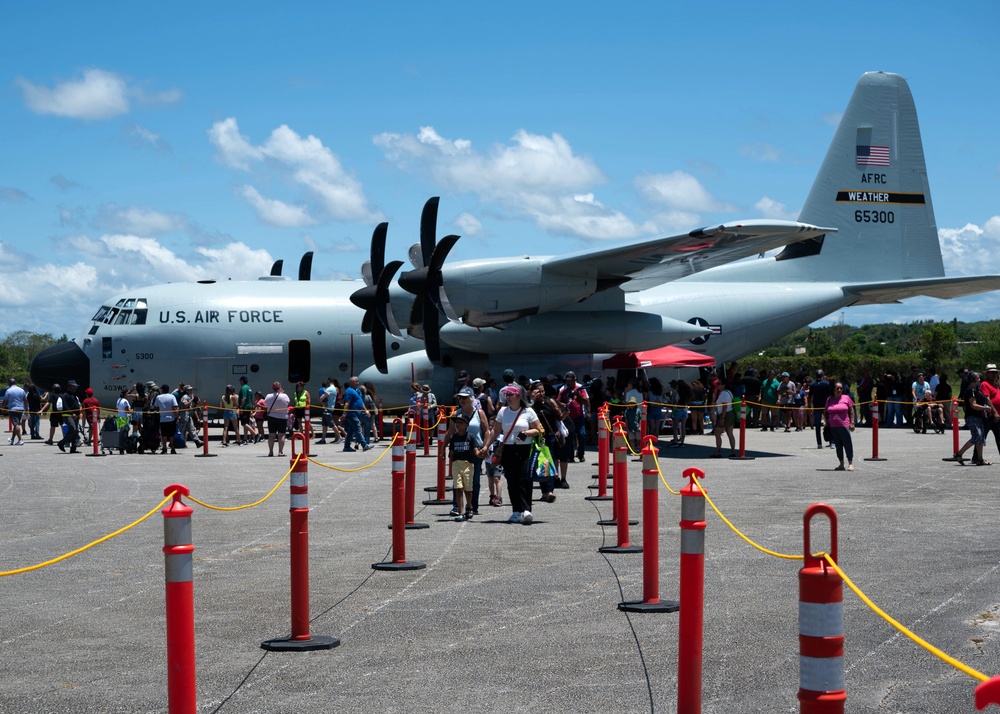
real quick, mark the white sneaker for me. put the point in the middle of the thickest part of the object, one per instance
(515, 517)
(19, 443)
(527, 518)
(10, 441)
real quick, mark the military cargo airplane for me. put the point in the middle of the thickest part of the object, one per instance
(866, 234)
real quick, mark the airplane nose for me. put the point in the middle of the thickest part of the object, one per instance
(59, 364)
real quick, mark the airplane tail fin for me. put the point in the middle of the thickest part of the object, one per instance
(873, 188)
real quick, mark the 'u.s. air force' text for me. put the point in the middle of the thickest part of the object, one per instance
(217, 316)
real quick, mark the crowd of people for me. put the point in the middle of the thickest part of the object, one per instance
(494, 426)
(157, 419)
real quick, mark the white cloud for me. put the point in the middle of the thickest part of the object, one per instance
(274, 212)
(680, 191)
(769, 208)
(468, 225)
(140, 136)
(139, 221)
(306, 162)
(536, 177)
(97, 94)
(969, 250)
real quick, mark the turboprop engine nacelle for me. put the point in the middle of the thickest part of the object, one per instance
(586, 331)
(489, 292)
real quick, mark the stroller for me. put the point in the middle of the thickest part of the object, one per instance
(113, 437)
(928, 414)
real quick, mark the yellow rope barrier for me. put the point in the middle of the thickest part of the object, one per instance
(659, 471)
(359, 468)
(255, 503)
(923, 643)
(737, 530)
(89, 545)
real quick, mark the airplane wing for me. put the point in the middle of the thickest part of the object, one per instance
(943, 288)
(638, 266)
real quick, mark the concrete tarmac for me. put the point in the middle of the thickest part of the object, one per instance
(504, 617)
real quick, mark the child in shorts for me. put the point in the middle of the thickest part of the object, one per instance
(462, 466)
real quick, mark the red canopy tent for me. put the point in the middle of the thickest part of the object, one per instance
(668, 356)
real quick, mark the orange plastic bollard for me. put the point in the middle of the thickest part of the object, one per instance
(690, 643)
(398, 526)
(204, 432)
(743, 435)
(821, 625)
(603, 450)
(300, 640)
(178, 557)
(620, 502)
(650, 538)
(95, 434)
(442, 463)
(874, 418)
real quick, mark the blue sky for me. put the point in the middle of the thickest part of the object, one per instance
(148, 143)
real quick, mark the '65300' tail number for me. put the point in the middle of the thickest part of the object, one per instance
(874, 217)
(144, 355)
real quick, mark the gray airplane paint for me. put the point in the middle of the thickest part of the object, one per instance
(866, 234)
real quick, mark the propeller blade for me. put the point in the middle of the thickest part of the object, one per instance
(378, 351)
(435, 281)
(366, 322)
(428, 229)
(366, 273)
(276, 268)
(305, 266)
(432, 332)
(383, 306)
(378, 248)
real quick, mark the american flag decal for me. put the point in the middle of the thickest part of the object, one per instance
(872, 155)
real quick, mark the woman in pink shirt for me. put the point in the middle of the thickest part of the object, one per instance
(839, 412)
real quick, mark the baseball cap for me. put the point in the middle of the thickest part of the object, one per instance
(464, 392)
(569, 375)
(508, 374)
(461, 417)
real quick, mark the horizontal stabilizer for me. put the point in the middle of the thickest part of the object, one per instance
(943, 288)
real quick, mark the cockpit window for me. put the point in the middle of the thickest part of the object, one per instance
(127, 311)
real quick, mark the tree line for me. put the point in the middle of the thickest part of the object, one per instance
(845, 350)
(18, 349)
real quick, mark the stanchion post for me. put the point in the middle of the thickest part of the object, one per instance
(692, 617)
(620, 502)
(425, 430)
(204, 432)
(379, 425)
(821, 625)
(178, 559)
(410, 484)
(643, 425)
(300, 640)
(307, 433)
(954, 426)
(442, 463)
(650, 537)
(399, 561)
(874, 418)
(94, 433)
(743, 435)
(602, 457)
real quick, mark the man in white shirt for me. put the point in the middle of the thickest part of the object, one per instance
(166, 405)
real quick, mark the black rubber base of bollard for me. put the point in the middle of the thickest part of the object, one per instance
(287, 644)
(433, 489)
(437, 502)
(620, 549)
(408, 565)
(597, 486)
(415, 526)
(742, 458)
(661, 606)
(881, 459)
(201, 456)
(614, 522)
(598, 498)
